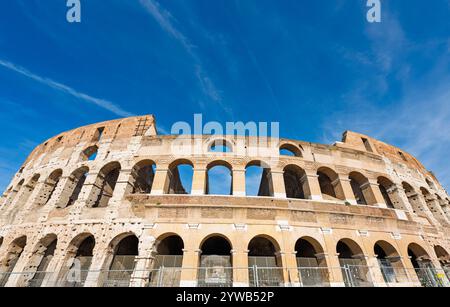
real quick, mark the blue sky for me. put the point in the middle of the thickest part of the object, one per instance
(317, 67)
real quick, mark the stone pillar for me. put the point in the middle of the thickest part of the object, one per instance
(399, 198)
(375, 271)
(144, 261)
(101, 260)
(86, 194)
(199, 181)
(279, 190)
(189, 268)
(290, 269)
(122, 186)
(347, 191)
(160, 182)
(436, 209)
(239, 182)
(240, 268)
(311, 186)
(334, 270)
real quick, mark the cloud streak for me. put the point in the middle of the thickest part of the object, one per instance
(102, 103)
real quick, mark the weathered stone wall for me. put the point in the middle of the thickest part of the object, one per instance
(37, 202)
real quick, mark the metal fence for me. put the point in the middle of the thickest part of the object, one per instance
(255, 276)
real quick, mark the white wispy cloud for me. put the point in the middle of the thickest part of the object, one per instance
(102, 103)
(167, 22)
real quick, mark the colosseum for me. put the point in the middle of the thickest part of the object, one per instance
(104, 205)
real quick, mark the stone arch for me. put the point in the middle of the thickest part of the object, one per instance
(353, 263)
(168, 260)
(49, 187)
(105, 183)
(421, 261)
(180, 177)
(288, 149)
(13, 193)
(265, 257)
(142, 176)
(24, 195)
(388, 191)
(79, 255)
(220, 146)
(219, 178)
(330, 185)
(414, 200)
(73, 187)
(389, 261)
(39, 261)
(215, 263)
(295, 181)
(360, 188)
(258, 172)
(311, 262)
(121, 260)
(13, 255)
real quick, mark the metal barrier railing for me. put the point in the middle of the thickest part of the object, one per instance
(255, 276)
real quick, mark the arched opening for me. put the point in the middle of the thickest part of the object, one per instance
(264, 259)
(215, 269)
(433, 206)
(353, 264)
(220, 146)
(444, 259)
(13, 193)
(311, 263)
(105, 183)
(49, 187)
(78, 261)
(295, 182)
(13, 254)
(423, 266)
(168, 262)
(73, 187)
(89, 154)
(413, 199)
(387, 189)
(258, 179)
(330, 185)
(290, 150)
(142, 177)
(390, 263)
(219, 178)
(123, 262)
(359, 184)
(24, 194)
(430, 184)
(40, 261)
(180, 177)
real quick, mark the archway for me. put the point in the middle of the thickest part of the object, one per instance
(413, 199)
(219, 178)
(311, 263)
(78, 260)
(258, 179)
(265, 263)
(423, 266)
(387, 190)
(40, 260)
(295, 182)
(13, 254)
(290, 150)
(180, 177)
(142, 176)
(168, 261)
(353, 264)
(104, 186)
(49, 187)
(123, 261)
(359, 184)
(215, 269)
(330, 185)
(390, 263)
(73, 187)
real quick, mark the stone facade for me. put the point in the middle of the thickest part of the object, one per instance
(117, 180)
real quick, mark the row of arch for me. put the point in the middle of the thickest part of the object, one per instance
(259, 181)
(216, 253)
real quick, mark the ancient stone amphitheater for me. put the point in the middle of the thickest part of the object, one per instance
(104, 205)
